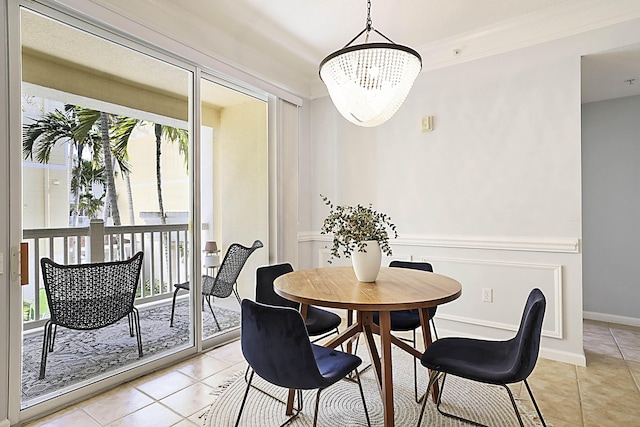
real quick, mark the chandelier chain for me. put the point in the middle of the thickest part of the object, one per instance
(369, 22)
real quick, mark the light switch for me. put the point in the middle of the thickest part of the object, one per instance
(427, 124)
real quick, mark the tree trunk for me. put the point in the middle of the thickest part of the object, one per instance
(158, 132)
(132, 216)
(108, 167)
(76, 202)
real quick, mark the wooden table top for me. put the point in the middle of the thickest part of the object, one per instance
(394, 289)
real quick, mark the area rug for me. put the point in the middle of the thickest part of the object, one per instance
(341, 405)
(83, 355)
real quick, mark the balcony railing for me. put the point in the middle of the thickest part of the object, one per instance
(166, 258)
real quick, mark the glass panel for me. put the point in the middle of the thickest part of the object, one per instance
(234, 195)
(106, 147)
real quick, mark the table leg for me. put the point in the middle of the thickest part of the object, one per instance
(426, 336)
(387, 377)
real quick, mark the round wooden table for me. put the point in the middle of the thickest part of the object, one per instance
(394, 289)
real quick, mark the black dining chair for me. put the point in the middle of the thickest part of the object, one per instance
(276, 345)
(490, 362)
(225, 281)
(409, 320)
(320, 323)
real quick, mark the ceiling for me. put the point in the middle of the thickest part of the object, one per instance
(298, 34)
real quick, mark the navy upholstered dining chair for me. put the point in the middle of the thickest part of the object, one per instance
(490, 362)
(409, 320)
(319, 322)
(276, 345)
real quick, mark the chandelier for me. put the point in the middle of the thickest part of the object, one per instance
(368, 82)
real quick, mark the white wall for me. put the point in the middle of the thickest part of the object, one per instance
(611, 208)
(492, 196)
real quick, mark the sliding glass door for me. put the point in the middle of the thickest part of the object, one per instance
(106, 145)
(234, 194)
(120, 149)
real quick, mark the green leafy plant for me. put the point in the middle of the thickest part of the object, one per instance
(351, 226)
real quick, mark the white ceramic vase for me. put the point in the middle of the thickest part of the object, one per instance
(366, 265)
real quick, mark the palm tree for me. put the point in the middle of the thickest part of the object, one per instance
(83, 128)
(40, 137)
(122, 130)
(88, 121)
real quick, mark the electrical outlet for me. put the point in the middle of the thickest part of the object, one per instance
(487, 295)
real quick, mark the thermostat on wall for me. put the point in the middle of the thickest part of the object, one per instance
(427, 124)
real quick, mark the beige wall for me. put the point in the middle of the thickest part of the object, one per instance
(241, 211)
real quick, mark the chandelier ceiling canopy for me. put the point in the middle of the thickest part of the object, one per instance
(368, 82)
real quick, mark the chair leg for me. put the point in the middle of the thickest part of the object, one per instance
(433, 325)
(475, 423)
(246, 393)
(244, 399)
(52, 337)
(315, 413)
(136, 322)
(364, 403)
(173, 306)
(513, 403)
(535, 404)
(45, 348)
(130, 319)
(212, 313)
(235, 291)
(300, 401)
(432, 378)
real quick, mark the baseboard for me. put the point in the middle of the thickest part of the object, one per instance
(611, 318)
(563, 356)
(5, 423)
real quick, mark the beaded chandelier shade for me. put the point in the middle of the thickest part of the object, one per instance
(368, 82)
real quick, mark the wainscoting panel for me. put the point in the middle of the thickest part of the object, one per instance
(510, 283)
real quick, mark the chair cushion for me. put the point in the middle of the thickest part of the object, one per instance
(404, 320)
(333, 364)
(485, 361)
(321, 321)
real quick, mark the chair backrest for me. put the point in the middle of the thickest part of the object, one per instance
(264, 285)
(276, 345)
(91, 296)
(422, 266)
(230, 269)
(526, 343)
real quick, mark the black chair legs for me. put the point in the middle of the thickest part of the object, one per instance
(300, 401)
(433, 379)
(246, 393)
(208, 298)
(173, 306)
(47, 346)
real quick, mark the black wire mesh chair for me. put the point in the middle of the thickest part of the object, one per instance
(225, 281)
(90, 296)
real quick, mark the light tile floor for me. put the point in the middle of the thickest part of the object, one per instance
(605, 393)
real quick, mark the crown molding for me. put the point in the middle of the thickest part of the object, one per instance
(563, 20)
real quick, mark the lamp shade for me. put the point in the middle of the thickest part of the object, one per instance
(211, 247)
(369, 82)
